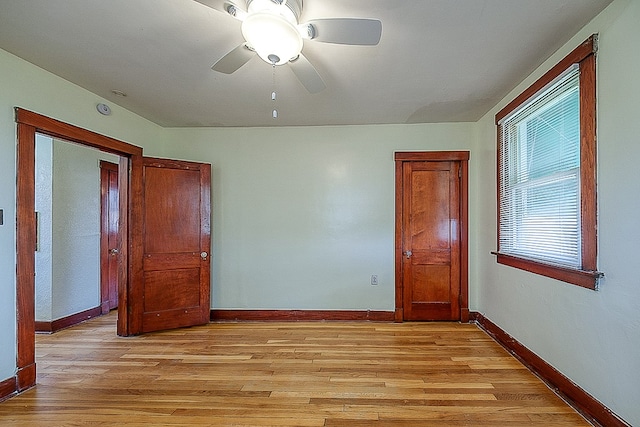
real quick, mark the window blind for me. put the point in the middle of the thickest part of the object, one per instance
(540, 176)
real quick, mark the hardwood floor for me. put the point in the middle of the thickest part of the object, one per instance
(283, 374)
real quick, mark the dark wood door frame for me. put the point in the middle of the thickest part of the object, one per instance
(28, 124)
(463, 158)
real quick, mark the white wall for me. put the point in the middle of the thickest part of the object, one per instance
(44, 208)
(68, 258)
(29, 87)
(302, 217)
(593, 337)
(76, 228)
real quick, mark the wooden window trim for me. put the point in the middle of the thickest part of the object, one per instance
(587, 276)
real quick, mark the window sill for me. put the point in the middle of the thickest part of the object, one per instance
(583, 278)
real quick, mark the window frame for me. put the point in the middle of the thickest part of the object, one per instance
(587, 276)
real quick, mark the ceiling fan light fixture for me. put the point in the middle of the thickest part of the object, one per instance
(272, 35)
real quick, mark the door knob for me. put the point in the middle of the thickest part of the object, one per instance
(113, 251)
(204, 255)
(408, 254)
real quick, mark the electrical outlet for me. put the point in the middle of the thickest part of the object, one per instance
(374, 279)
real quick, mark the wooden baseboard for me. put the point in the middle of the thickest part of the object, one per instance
(8, 388)
(104, 307)
(65, 322)
(587, 405)
(301, 315)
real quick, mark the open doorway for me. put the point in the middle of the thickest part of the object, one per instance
(163, 246)
(72, 256)
(29, 124)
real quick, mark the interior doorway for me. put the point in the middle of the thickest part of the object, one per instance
(28, 125)
(431, 236)
(68, 203)
(163, 259)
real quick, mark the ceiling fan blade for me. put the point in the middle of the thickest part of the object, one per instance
(233, 60)
(307, 74)
(365, 32)
(225, 6)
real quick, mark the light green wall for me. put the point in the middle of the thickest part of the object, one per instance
(24, 85)
(302, 217)
(592, 337)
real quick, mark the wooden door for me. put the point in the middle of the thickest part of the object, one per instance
(430, 246)
(173, 287)
(109, 251)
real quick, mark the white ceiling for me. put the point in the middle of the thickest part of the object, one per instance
(437, 61)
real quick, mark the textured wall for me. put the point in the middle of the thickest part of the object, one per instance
(44, 208)
(76, 228)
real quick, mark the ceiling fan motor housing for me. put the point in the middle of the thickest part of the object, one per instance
(295, 6)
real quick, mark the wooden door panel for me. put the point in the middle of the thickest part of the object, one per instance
(184, 291)
(431, 284)
(159, 261)
(429, 222)
(171, 225)
(173, 289)
(431, 243)
(431, 256)
(152, 322)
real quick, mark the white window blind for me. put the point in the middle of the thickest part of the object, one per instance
(540, 176)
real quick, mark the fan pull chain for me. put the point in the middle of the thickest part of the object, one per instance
(274, 113)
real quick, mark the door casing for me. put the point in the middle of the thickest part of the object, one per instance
(434, 156)
(28, 124)
(130, 230)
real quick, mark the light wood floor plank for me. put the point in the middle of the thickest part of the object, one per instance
(283, 374)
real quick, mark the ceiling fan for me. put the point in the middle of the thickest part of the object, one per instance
(272, 31)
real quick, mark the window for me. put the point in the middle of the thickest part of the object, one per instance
(547, 176)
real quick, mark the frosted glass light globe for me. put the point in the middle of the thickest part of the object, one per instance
(272, 36)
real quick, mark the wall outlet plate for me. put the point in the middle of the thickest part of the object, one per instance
(374, 279)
